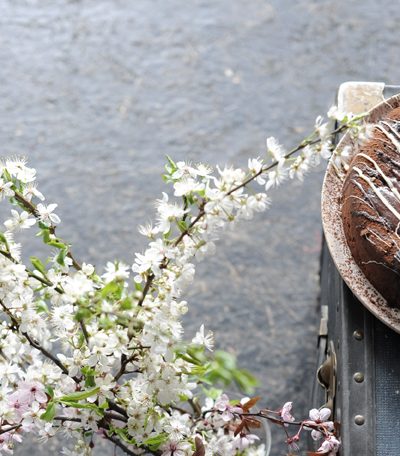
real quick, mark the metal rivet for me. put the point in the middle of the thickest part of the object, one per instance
(359, 420)
(358, 377)
(358, 334)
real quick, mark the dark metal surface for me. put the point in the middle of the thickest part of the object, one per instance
(367, 399)
(350, 332)
(387, 378)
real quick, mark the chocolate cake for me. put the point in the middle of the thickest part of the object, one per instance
(371, 208)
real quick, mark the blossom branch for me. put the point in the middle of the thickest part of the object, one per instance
(32, 209)
(252, 178)
(299, 147)
(149, 405)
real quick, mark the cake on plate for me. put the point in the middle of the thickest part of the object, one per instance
(371, 207)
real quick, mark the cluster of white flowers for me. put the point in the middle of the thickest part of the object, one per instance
(90, 354)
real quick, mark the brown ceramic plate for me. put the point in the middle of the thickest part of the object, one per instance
(336, 240)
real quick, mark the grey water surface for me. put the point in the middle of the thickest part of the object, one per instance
(96, 92)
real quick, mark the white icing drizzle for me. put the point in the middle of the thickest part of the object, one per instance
(368, 238)
(380, 264)
(396, 232)
(386, 178)
(376, 191)
(363, 201)
(393, 130)
(379, 237)
(392, 138)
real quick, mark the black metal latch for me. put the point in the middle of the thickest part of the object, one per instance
(326, 376)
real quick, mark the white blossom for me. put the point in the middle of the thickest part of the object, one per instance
(278, 175)
(19, 221)
(276, 151)
(18, 169)
(204, 339)
(46, 214)
(115, 271)
(5, 189)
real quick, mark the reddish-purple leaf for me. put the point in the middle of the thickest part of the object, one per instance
(200, 450)
(240, 427)
(252, 422)
(250, 403)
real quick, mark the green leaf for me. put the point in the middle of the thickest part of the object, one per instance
(3, 239)
(88, 373)
(221, 374)
(104, 405)
(182, 225)
(123, 433)
(57, 244)
(44, 232)
(87, 405)
(80, 395)
(50, 412)
(106, 323)
(41, 307)
(154, 442)
(245, 380)
(82, 314)
(200, 370)
(49, 390)
(204, 380)
(225, 359)
(190, 359)
(37, 264)
(213, 393)
(89, 381)
(172, 165)
(197, 352)
(126, 304)
(109, 289)
(61, 256)
(6, 174)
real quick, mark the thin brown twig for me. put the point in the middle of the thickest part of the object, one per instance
(12, 428)
(115, 416)
(67, 418)
(146, 288)
(305, 423)
(84, 331)
(124, 362)
(47, 354)
(117, 408)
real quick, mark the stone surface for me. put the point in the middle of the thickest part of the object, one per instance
(96, 92)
